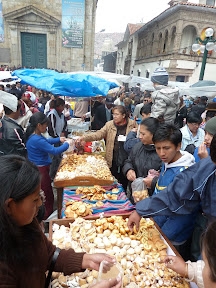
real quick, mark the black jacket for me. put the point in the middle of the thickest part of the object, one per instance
(180, 115)
(100, 117)
(11, 138)
(142, 158)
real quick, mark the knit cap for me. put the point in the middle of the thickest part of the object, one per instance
(210, 126)
(160, 76)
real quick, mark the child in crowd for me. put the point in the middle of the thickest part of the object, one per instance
(165, 99)
(25, 252)
(167, 140)
(133, 135)
(204, 149)
(202, 272)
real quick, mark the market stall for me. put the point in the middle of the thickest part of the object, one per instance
(139, 254)
(75, 180)
(93, 200)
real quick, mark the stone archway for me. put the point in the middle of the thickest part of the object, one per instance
(189, 34)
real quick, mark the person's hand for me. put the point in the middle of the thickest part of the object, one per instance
(92, 261)
(111, 283)
(62, 139)
(134, 130)
(81, 141)
(202, 151)
(69, 141)
(134, 219)
(176, 264)
(131, 175)
(148, 181)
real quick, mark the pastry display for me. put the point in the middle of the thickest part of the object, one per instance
(95, 193)
(74, 209)
(74, 165)
(140, 195)
(139, 253)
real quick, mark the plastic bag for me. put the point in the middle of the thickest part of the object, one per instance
(71, 147)
(139, 190)
(109, 271)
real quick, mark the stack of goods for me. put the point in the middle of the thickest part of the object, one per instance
(109, 200)
(74, 165)
(139, 253)
(74, 209)
(96, 193)
(140, 195)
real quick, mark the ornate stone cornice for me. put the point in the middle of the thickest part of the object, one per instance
(31, 16)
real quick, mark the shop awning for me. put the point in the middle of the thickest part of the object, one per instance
(64, 84)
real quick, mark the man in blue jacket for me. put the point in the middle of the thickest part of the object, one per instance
(195, 185)
(167, 140)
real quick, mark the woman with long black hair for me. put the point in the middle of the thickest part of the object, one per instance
(25, 252)
(38, 149)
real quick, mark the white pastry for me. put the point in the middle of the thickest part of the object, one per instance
(113, 240)
(130, 251)
(127, 241)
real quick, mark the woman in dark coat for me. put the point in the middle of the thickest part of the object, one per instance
(143, 155)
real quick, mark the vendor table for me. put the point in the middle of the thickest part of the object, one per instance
(110, 207)
(81, 180)
(170, 250)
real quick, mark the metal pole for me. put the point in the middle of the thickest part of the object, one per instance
(202, 71)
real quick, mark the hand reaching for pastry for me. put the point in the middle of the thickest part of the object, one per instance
(93, 261)
(176, 264)
(81, 141)
(134, 219)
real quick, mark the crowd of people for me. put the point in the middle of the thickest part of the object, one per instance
(151, 136)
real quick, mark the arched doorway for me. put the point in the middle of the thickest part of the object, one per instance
(188, 38)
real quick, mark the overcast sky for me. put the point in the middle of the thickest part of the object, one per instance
(114, 15)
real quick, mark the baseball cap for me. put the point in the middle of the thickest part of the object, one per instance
(109, 100)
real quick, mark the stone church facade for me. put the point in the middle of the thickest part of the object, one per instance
(33, 28)
(167, 41)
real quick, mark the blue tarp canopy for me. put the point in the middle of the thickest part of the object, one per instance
(76, 85)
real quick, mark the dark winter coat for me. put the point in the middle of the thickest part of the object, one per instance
(141, 159)
(11, 138)
(180, 115)
(100, 118)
